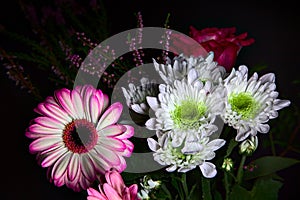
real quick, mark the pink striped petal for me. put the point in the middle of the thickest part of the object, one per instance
(43, 143)
(128, 133)
(106, 154)
(87, 167)
(112, 144)
(60, 181)
(73, 168)
(112, 130)
(53, 156)
(77, 104)
(110, 192)
(129, 148)
(96, 198)
(50, 122)
(122, 166)
(53, 111)
(60, 167)
(39, 129)
(111, 116)
(99, 163)
(94, 108)
(64, 99)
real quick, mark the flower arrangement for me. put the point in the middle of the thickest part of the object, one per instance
(183, 122)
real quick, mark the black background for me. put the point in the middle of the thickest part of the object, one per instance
(273, 25)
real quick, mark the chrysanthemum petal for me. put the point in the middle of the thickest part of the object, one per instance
(153, 145)
(279, 104)
(208, 170)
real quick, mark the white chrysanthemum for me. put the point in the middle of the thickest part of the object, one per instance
(178, 159)
(251, 103)
(187, 105)
(136, 95)
(179, 67)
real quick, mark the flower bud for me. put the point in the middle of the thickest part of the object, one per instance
(227, 164)
(248, 146)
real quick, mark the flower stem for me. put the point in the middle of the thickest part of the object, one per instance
(227, 186)
(184, 185)
(240, 170)
(206, 193)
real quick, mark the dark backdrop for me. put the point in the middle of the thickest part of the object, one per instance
(273, 25)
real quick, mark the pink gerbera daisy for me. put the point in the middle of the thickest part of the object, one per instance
(78, 138)
(113, 189)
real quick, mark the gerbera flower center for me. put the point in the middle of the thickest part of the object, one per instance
(244, 104)
(187, 114)
(80, 136)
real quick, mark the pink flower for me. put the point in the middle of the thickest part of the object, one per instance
(77, 136)
(114, 189)
(223, 42)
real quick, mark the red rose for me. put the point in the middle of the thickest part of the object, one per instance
(180, 43)
(223, 42)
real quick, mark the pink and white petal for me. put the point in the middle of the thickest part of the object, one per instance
(60, 167)
(60, 181)
(50, 122)
(113, 144)
(94, 108)
(76, 99)
(112, 130)
(110, 192)
(55, 111)
(115, 180)
(63, 97)
(122, 166)
(52, 157)
(87, 167)
(39, 129)
(109, 156)
(128, 133)
(43, 143)
(208, 170)
(129, 148)
(74, 166)
(110, 116)
(99, 163)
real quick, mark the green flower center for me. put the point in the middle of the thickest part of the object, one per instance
(187, 114)
(244, 104)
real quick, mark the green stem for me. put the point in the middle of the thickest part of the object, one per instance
(184, 185)
(206, 193)
(227, 186)
(240, 170)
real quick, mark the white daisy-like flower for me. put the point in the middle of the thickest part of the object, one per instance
(251, 103)
(179, 67)
(178, 159)
(136, 95)
(77, 136)
(187, 105)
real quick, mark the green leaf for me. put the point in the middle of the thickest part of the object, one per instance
(238, 193)
(267, 165)
(266, 189)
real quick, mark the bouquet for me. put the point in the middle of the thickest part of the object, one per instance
(149, 113)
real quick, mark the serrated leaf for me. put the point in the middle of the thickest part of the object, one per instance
(269, 164)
